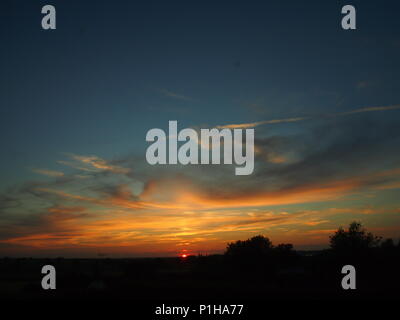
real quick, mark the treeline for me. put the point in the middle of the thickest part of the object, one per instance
(354, 240)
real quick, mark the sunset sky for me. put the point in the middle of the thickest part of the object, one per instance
(76, 104)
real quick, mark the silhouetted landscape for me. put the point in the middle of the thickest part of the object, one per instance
(253, 269)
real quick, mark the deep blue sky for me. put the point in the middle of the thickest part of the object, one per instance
(97, 83)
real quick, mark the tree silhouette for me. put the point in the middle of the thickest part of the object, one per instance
(354, 239)
(256, 246)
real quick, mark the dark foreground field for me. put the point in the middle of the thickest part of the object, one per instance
(297, 276)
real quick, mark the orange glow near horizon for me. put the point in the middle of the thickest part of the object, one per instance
(169, 216)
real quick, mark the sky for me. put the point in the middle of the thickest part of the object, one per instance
(76, 104)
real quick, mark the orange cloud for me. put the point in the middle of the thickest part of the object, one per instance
(100, 164)
(259, 123)
(50, 173)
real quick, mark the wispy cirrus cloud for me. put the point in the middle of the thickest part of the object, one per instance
(175, 95)
(363, 84)
(297, 119)
(369, 109)
(49, 173)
